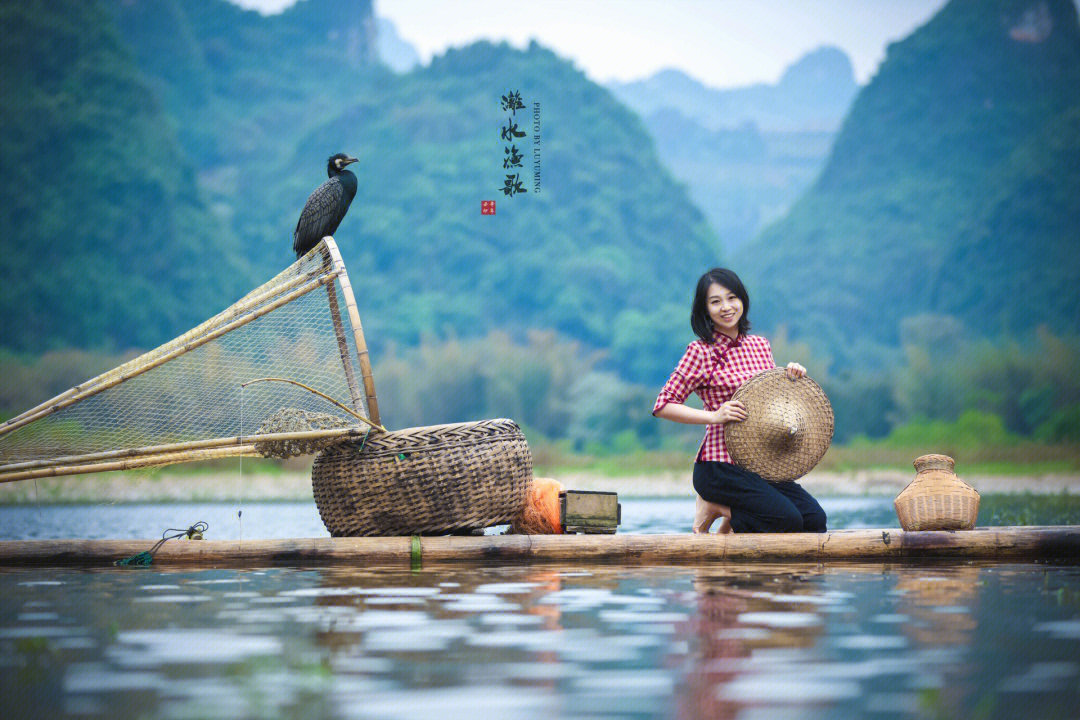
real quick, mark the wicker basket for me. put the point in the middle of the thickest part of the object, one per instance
(431, 480)
(936, 499)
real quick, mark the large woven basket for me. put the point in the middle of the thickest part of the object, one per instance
(425, 480)
(936, 499)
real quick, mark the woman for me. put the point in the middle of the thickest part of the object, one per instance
(715, 366)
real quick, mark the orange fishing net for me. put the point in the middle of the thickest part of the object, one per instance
(540, 515)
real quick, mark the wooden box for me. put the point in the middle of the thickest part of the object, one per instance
(581, 511)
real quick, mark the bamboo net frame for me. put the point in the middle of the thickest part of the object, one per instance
(362, 354)
(138, 369)
(291, 339)
(146, 361)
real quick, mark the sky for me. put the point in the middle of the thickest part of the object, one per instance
(724, 43)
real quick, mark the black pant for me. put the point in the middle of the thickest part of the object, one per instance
(758, 505)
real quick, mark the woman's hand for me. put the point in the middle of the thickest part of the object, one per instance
(795, 370)
(731, 411)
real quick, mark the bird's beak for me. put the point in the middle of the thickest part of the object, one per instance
(349, 161)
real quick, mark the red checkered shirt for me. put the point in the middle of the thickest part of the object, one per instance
(715, 372)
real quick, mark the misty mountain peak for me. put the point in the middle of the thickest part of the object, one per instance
(825, 67)
(813, 95)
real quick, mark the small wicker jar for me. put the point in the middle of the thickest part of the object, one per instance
(427, 480)
(936, 499)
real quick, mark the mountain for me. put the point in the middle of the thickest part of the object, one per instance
(394, 51)
(742, 178)
(240, 84)
(569, 257)
(107, 240)
(245, 88)
(952, 189)
(813, 94)
(746, 154)
(604, 250)
(240, 112)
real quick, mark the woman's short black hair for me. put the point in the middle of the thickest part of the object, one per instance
(699, 314)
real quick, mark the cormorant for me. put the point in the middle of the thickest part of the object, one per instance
(325, 207)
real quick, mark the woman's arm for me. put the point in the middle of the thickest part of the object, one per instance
(731, 411)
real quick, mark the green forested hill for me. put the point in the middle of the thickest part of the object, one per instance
(952, 189)
(240, 84)
(233, 114)
(243, 90)
(106, 241)
(157, 154)
(605, 252)
(1025, 240)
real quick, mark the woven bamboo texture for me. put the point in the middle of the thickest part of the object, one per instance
(936, 499)
(426, 480)
(788, 429)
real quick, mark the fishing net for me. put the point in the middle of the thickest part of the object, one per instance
(295, 420)
(289, 358)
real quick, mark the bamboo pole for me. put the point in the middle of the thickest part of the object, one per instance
(343, 349)
(323, 395)
(133, 463)
(880, 546)
(358, 331)
(176, 352)
(178, 447)
(300, 552)
(339, 333)
(253, 299)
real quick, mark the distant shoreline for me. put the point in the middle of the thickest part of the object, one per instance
(296, 486)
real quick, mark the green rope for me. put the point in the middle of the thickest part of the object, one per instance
(416, 556)
(144, 558)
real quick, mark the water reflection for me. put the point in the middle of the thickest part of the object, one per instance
(746, 641)
(939, 606)
(740, 613)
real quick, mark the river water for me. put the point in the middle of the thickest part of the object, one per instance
(747, 640)
(231, 521)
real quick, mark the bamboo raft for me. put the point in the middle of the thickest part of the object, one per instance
(1060, 543)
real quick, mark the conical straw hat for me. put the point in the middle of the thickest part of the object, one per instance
(789, 428)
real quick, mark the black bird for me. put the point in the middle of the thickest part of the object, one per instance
(326, 207)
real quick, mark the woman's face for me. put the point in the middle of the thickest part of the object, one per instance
(725, 309)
